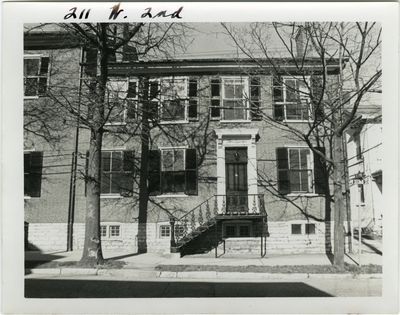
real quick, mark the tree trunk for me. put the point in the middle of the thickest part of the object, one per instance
(92, 254)
(338, 250)
(143, 187)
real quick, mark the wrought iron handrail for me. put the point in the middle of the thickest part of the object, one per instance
(202, 216)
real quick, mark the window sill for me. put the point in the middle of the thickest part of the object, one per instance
(111, 196)
(171, 196)
(295, 121)
(245, 121)
(31, 97)
(116, 124)
(303, 195)
(27, 197)
(172, 122)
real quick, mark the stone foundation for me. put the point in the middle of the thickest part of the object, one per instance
(281, 240)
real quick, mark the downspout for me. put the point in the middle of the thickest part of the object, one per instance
(72, 185)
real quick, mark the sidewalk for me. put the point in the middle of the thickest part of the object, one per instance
(144, 265)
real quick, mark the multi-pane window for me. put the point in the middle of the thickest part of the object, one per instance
(237, 230)
(291, 99)
(33, 163)
(299, 171)
(235, 98)
(117, 172)
(173, 171)
(165, 231)
(174, 92)
(114, 230)
(110, 231)
(179, 99)
(122, 100)
(36, 70)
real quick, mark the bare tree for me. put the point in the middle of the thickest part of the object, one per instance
(320, 95)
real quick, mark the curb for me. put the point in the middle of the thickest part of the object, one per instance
(194, 274)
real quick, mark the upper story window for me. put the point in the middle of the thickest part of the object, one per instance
(122, 100)
(291, 99)
(179, 99)
(36, 73)
(300, 171)
(173, 171)
(235, 98)
(357, 142)
(33, 163)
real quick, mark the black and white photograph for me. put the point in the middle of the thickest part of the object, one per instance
(208, 164)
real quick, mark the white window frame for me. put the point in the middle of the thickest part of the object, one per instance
(302, 228)
(245, 98)
(165, 98)
(310, 168)
(37, 76)
(162, 150)
(122, 96)
(167, 225)
(302, 96)
(112, 195)
(108, 226)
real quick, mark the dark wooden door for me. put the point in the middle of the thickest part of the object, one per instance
(236, 179)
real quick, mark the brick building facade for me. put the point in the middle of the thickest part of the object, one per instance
(219, 157)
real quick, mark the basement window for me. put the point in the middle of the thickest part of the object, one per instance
(110, 231)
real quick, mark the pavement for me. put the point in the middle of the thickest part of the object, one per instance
(144, 265)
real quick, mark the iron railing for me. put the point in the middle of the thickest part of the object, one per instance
(204, 216)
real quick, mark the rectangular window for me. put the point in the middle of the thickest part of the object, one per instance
(215, 109)
(310, 228)
(33, 164)
(244, 230)
(295, 171)
(114, 231)
(103, 231)
(117, 172)
(174, 99)
(291, 99)
(296, 229)
(116, 109)
(165, 231)
(36, 73)
(235, 99)
(230, 230)
(173, 171)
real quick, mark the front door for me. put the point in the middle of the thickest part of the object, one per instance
(236, 179)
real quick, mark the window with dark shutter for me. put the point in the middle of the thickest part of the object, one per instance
(215, 99)
(320, 175)
(255, 94)
(317, 92)
(193, 99)
(154, 179)
(132, 99)
(33, 164)
(294, 170)
(117, 172)
(191, 172)
(283, 170)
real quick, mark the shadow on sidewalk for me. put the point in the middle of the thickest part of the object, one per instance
(41, 288)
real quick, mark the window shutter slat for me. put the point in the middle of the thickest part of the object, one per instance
(283, 170)
(36, 173)
(255, 94)
(215, 99)
(317, 104)
(320, 177)
(127, 176)
(193, 110)
(154, 173)
(191, 172)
